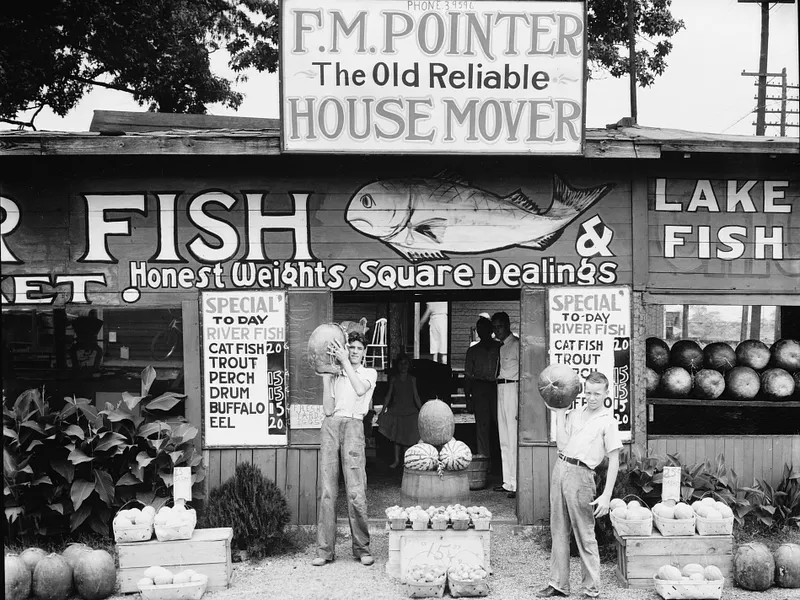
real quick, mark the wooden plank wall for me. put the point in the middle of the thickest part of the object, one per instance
(752, 456)
(294, 470)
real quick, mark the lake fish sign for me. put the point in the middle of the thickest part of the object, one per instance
(457, 77)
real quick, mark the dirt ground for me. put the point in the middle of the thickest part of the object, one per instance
(518, 559)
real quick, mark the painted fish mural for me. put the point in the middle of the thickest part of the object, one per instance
(427, 218)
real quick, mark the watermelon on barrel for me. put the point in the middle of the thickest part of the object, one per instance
(318, 343)
(455, 455)
(742, 383)
(777, 384)
(753, 567)
(559, 385)
(421, 457)
(657, 352)
(719, 356)
(753, 354)
(786, 354)
(686, 354)
(436, 423)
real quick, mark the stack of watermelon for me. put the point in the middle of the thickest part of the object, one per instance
(750, 371)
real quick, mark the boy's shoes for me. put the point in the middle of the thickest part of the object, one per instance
(499, 488)
(367, 560)
(549, 592)
(511, 495)
(319, 561)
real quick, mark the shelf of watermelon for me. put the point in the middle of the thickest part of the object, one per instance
(736, 403)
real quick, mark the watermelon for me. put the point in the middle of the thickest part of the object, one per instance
(676, 382)
(17, 578)
(786, 354)
(652, 381)
(708, 384)
(787, 566)
(421, 457)
(777, 384)
(32, 556)
(657, 352)
(436, 423)
(559, 385)
(719, 356)
(73, 552)
(318, 343)
(686, 354)
(455, 455)
(742, 383)
(753, 567)
(52, 578)
(753, 354)
(95, 576)
(713, 573)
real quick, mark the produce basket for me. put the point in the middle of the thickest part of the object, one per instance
(696, 590)
(467, 589)
(439, 524)
(399, 523)
(461, 524)
(419, 524)
(174, 591)
(722, 526)
(627, 528)
(138, 532)
(166, 533)
(482, 524)
(669, 527)
(434, 589)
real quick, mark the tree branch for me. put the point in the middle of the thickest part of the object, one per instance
(110, 86)
(20, 124)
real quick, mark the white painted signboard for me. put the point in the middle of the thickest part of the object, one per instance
(436, 76)
(244, 368)
(590, 330)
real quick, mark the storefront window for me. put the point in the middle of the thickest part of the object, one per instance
(95, 353)
(723, 369)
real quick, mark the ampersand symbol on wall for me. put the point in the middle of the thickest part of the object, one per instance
(594, 236)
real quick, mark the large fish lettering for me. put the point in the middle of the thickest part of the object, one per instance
(427, 218)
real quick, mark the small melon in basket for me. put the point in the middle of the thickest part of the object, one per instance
(183, 577)
(669, 573)
(615, 502)
(712, 573)
(724, 510)
(697, 577)
(693, 568)
(634, 503)
(134, 515)
(708, 500)
(621, 513)
(199, 578)
(145, 582)
(683, 511)
(150, 510)
(638, 513)
(712, 514)
(701, 509)
(667, 512)
(121, 522)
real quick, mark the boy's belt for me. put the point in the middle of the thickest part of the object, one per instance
(507, 381)
(574, 461)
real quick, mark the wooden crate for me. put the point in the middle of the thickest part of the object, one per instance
(207, 552)
(437, 546)
(638, 558)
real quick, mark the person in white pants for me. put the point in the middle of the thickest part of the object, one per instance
(507, 400)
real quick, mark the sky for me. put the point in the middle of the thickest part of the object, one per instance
(702, 89)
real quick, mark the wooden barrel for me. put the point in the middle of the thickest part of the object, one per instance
(478, 472)
(426, 488)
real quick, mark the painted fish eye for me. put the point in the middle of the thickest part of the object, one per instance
(367, 201)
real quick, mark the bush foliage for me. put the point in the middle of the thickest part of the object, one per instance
(68, 471)
(254, 507)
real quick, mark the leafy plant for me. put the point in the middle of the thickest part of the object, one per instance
(254, 507)
(776, 507)
(70, 470)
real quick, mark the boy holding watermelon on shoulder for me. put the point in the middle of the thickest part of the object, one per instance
(584, 436)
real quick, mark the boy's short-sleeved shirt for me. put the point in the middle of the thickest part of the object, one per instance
(345, 398)
(592, 442)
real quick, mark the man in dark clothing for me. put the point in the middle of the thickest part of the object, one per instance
(480, 385)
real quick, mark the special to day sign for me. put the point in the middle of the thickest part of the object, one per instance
(590, 330)
(433, 76)
(244, 368)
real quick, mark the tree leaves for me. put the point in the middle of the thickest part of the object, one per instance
(104, 486)
(80, 491)
(165, 401)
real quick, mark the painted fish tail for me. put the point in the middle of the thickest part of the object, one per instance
(568, 200)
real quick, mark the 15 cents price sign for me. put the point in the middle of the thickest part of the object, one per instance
(590, 330)
(244, 368)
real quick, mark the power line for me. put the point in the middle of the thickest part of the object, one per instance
(749, 112)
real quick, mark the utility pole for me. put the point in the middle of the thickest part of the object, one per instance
(784, 98)
(632, 57)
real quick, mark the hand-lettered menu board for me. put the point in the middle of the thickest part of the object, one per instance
(590, 330)
(244, 368)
